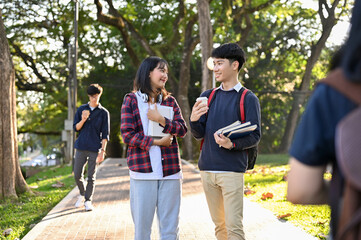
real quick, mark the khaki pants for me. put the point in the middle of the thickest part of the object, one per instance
(224, 194)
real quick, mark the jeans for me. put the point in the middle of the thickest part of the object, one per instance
(81, 158)
(162, 196)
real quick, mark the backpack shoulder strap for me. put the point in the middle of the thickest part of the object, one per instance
(241, 105)
(241, 99)
(210, 98)
(338, 81)
(341, 217)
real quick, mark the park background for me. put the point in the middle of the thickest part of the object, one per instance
(288, 45)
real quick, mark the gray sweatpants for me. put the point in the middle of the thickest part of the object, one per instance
(81, 158)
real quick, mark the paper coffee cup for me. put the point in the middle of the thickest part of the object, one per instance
(204, 100)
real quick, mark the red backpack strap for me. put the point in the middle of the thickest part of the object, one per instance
(209, 102)
(241, 105)
(211, 95)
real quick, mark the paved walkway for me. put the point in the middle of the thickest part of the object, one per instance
(111, 218)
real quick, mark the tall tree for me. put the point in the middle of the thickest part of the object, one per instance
(206, 37)
(329, 18)
(11, 179)
(157, 30)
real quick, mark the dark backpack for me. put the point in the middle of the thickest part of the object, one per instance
(347, 222)
(252, 152)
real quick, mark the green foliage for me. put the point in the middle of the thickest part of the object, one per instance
(30, 209)
(277, 53)
(277, 47)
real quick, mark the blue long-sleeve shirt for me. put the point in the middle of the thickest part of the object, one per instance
(96, 128)
(222, 112)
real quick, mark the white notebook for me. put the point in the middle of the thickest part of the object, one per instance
(154, 128)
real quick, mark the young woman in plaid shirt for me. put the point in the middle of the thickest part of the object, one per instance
(154, 163)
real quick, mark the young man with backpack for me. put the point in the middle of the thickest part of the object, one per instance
(326, 136)
(223, 161)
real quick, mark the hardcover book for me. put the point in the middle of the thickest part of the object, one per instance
(154, 128)
(237, 129)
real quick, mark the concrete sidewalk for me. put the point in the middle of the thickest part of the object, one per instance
(112, 219)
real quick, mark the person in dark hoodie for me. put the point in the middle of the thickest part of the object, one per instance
(313, 147)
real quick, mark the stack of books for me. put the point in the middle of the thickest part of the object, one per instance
(237, 129)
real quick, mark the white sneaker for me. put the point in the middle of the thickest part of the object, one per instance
(88, 206)
(80, 201)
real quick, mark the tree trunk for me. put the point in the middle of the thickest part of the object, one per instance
(206, 36)
(11, 179)
(184, 79)
(299, 98)
(182, 98)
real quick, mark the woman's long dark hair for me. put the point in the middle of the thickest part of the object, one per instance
(142, 79)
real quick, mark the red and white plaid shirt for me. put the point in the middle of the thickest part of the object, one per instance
(139, 144)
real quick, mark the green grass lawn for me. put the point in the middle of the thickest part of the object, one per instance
(28, 209)
(269, 177)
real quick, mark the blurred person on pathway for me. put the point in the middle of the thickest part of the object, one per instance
(91, 121)
(313, 147)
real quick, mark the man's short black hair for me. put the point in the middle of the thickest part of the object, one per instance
(232, 52)
(94, 89)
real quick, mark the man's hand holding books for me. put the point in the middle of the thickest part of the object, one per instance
(237, 129)
(224, 136)
(223, 141)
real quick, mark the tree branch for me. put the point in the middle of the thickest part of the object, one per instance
(57, 133)
(176, 35)
(119, 23)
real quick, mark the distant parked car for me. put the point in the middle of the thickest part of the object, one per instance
(53, 158)
(36, 162)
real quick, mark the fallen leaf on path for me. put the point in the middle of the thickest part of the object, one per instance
(248, 191)
(58, 184)
(266, 196)
(284, 216)
(7, 232)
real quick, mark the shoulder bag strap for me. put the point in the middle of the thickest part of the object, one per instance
(338, 81)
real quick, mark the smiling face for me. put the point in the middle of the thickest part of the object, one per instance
(159, 77)
(224, 70)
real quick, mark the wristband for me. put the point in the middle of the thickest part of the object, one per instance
(233, 145)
